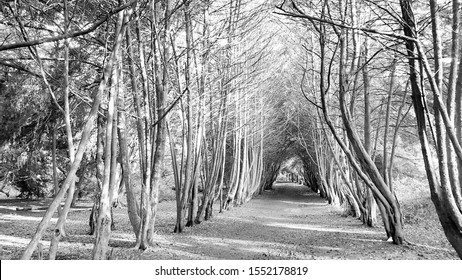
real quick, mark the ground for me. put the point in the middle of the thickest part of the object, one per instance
(288, 222)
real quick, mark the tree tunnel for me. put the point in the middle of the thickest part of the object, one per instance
(213, 100)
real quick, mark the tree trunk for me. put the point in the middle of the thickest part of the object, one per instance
(59, 228)
(86, 133)
(104, 221)
(53, 159)
(370, 218)
(132, 204)
(161, 77)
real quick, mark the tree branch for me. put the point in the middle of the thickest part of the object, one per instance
(336, 24)
(18, 67)
(69, 35)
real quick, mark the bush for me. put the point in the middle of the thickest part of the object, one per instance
(31, 188)
(31, 180)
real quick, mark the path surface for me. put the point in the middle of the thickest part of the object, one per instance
(290, 222)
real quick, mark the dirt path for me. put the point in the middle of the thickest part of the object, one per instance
(290, 222)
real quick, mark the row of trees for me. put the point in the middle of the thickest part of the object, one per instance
(361, 59)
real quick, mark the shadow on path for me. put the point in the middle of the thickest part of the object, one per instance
(289, 222)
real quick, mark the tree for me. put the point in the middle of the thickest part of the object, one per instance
(443, 195)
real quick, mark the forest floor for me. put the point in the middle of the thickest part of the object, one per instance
(288, 222)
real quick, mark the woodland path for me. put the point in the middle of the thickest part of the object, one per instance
(289, 222)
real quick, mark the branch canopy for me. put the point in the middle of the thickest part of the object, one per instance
(68, 35)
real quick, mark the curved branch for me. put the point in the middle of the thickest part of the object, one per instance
(341, 25)
(69, 35)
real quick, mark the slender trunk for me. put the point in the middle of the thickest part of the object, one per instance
(146, 154)
(99, 175)
(86, 133)
(354, 201)
(132, 204)
(114, 178)
(136, 99)
(189, 183)
(103, 226)
(53, 158)
(59, 232)
(161, 132)
(387, 123)
(370, 218)
(398, 122)
(453, 165)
